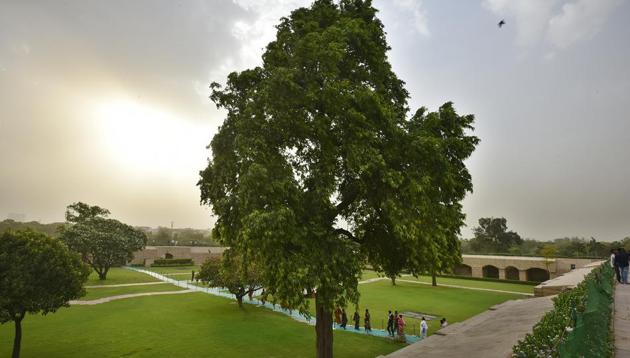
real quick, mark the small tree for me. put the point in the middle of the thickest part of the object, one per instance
(548, 252)
(239, 276)
(102, 242)
(37, 274)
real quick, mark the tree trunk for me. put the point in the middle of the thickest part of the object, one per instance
(239, 299)
(393, 278)
(323, 328)
(433, 279)
(17, 341)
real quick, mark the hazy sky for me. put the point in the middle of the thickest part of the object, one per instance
(106, 102)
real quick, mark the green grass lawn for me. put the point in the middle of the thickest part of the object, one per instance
(94, 293)
(119, 275)
(188, 325)
(173, 269)
(453, 303)
(504, 286)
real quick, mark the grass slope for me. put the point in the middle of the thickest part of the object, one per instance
(189, 325)
(173, 269)
(95, 293)
(119, 275)
(453, 303)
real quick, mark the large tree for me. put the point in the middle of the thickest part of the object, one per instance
(37, 274)
(492, 236)
(238, 274)
(103, 242)
(317, 168)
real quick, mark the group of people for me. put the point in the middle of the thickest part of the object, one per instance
(395, 322)
(619, 261)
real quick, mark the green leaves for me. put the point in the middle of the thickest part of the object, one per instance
(317, 169)
(37, 274)
(102, 242)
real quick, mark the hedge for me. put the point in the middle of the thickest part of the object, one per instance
(172, 262)
(579, 323)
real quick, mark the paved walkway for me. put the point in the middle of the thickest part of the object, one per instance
(128, 284)
(491, 334)
(445, 285)
(121, 297)
(622, 321)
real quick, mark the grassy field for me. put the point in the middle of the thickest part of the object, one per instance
(188, 325)
(504, 286)
(95, 293)
(453, 303)
(174, 269)
(119, 275)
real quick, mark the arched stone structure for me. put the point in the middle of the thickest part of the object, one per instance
(490, 271)
(536, 274)
(462, 270)
(511, 273)
(168, 255)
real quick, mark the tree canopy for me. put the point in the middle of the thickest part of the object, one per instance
(38, 274)
(102, 242)
(492, 236)
(239, 275)
(318, 169)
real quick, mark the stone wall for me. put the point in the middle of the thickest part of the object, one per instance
(198, 254)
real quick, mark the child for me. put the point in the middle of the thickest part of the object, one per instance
(423, 328)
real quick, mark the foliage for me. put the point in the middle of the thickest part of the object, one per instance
(102, 242)
(492, 235)
(172, 262)
(48, 229)
(558, 328)
(38, 274)
(319, 136)
(239, 275)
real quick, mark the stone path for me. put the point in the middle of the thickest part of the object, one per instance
(622, 321)
(446, 285)
(491, 334)
(128, 284)
(120, 297)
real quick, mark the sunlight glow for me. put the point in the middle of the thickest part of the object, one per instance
(143, 138)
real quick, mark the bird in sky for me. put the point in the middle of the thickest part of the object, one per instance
(501, 23)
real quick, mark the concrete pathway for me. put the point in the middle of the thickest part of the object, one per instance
(128, 284)
(120, 297)
(491, 334)
(622, 321)
(445, 285)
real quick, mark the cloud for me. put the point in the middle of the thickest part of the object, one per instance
(418, 13)
(558, 23)
(579, 20)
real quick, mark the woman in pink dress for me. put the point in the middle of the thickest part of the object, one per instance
(401, 326)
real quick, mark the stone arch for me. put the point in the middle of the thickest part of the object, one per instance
(168, 255)
(536, 274)
(511, 273)
(462, 270)
(490, 271)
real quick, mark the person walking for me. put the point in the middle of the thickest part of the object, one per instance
(356, 318)
(621, 259)
(390, 324)
(344, 319)
(368, 326)
(338, 316)
(396, 323)
(443, 323)
(401, 327)
(613, 263)
(424, 328)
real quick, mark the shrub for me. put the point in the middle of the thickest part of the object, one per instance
(172, 262)
(579, 321)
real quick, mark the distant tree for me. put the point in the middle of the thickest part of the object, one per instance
(37, 274)
(319, 136)
(240, 276)
(102, 242)
(491, 236)
(548, 251)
